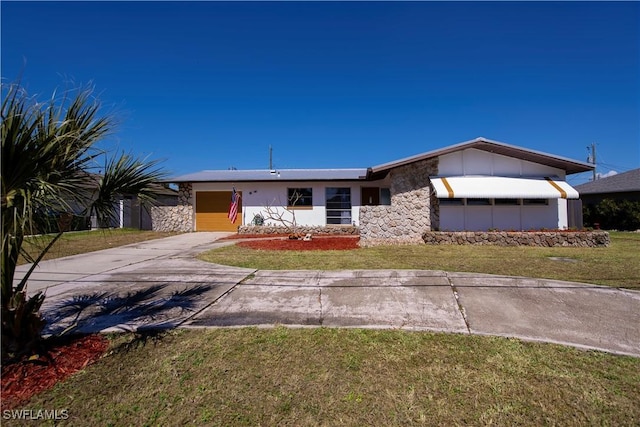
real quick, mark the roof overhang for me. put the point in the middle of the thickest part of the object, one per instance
(569, 165)
(300, 175)
(498, 187)
(625, 182)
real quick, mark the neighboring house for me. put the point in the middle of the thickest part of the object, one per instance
(128, 211)
(475, 185)
(622, 186)
(133, 214)
(621, 210)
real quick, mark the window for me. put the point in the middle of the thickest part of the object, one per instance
(538, 202)
(452, 202)
(338, 205)
(478, 202)
(507, 202)
(297, 197)
(375, 196)
(385, 196)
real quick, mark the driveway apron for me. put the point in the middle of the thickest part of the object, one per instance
(402, 299)
(581, 315)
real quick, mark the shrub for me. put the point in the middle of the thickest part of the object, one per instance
(613, 214)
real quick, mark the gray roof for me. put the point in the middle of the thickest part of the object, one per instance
(620, 183)
(275, 175)
(380, 171)
(568, 165)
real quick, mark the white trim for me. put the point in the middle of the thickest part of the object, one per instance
(121, 213)
(514, 151)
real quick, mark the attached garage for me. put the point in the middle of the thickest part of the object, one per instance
(212, 210)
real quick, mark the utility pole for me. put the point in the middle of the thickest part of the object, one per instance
(270, 158)
(592, 158)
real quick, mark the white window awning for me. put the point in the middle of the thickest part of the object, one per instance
(498, 187)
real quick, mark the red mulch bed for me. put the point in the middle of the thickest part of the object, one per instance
(22, 380)
(252, 236)
(318, 243)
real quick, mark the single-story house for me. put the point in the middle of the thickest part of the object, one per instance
(475, 185)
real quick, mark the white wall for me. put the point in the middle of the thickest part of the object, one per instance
(505, 218)
(477, 218)
(563, 213)
(257, 195)
(477, 162)
(452, 218)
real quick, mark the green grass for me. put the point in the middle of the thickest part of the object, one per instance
(323, 376)
(617, 265)
(80, 242)
(354, 377)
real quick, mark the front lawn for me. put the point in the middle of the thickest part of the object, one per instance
(79, 242)
(355, 377)
(617, 265)
(325, 376)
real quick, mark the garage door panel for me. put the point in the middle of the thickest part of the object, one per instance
(212, 208)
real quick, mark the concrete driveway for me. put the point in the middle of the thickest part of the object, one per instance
(160, 284)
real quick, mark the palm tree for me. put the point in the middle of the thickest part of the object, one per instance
(49, 160)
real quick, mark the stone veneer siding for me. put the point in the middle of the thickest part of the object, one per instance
(315, 230)
(185, 194)
(172, 218)
(412, 212)
(519, 238)
(175, 218)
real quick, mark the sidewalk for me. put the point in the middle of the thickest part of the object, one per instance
(159, 284)
(579, 315)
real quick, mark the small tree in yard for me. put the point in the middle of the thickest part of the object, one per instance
(274, 214)
(49, 163)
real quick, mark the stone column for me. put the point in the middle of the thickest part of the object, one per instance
(185, 193)
(410, 213)
(175, 218)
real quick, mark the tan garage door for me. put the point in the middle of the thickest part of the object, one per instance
(212, 208)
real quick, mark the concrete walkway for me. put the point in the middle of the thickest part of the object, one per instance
(159, 283)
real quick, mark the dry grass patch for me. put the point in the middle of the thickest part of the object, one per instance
(74, 243)
(617, 265)
(326, 376)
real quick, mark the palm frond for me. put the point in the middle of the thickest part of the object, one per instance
(126, 176)
(45, 149)
(48, 151)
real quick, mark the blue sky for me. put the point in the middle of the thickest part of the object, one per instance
(210, 85)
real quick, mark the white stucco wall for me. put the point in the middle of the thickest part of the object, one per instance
(257, 195)
(483, 218)
(522, 217)
(478, 162)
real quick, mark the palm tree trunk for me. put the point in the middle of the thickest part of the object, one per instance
(11, 245)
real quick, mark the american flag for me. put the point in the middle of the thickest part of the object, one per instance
(233, 208)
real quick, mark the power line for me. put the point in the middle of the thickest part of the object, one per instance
(591, 158)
